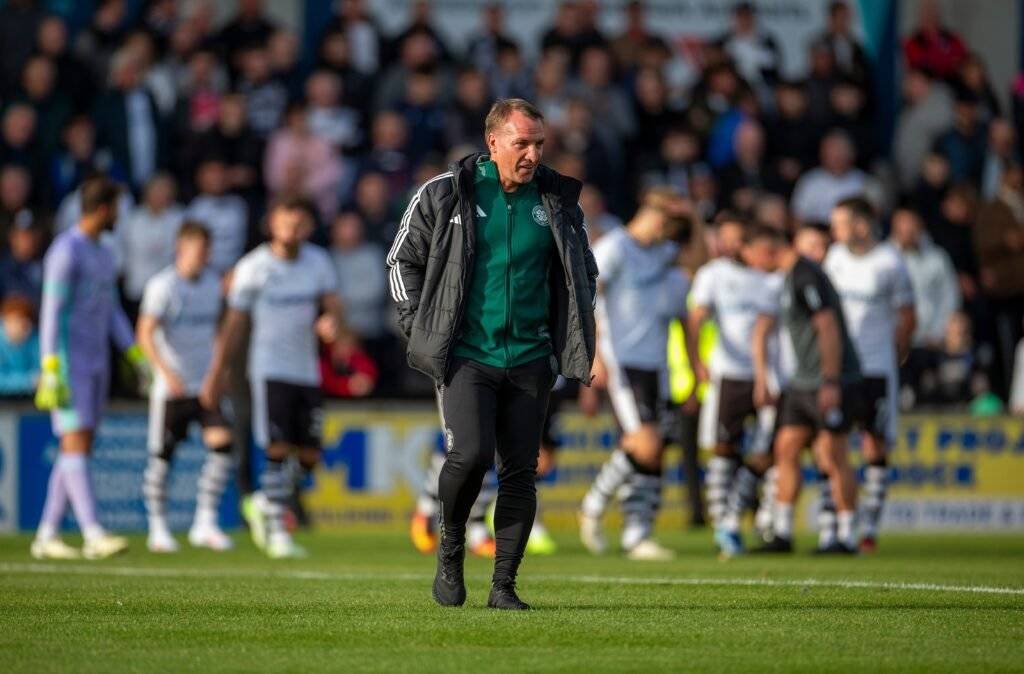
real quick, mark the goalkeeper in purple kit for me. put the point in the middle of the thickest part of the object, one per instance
(80, 315)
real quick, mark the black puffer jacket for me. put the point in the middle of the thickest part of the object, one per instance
(431, 263)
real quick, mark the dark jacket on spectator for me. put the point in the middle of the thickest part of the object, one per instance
(999, 242)
(431, 263)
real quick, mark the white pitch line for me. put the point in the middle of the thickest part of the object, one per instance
(142, 572)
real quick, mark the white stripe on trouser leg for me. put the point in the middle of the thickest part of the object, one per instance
(623, 401)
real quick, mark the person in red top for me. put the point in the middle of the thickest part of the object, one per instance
(346, 371)
(933, 47)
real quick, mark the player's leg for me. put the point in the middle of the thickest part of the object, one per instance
(422, 527)
(89, 395)
(641, 495)
(797, 415)
(168, 422)
(468, 409)
(879, 436)
(832, 459)
(479, 539)
(730, 413)
(619, 467)
(522, 404)
(725, 470)
(47, 543)
(213, 477)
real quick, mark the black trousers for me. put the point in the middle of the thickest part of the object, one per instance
(484, 409)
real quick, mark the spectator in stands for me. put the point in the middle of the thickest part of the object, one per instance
(389, 154)
(999, 243)
(223, 213)
(347, 370)
(422, 107)
(595, 213)
(231, 140)
(607, 101)
(678, 162)
(19, 22)
(148, 237)
(362, 283)
(793, 139)
(267, 97)
(927, 113)
(630, 46)
(78, 158)
(953, 232)
(298, 162)
(754, 51)
(932, 47)
(820, 189)
(329, 117)
(335, 55)
(418, 53)
(956, 375)
(973, 77)
(550, 90)
(420, 22)
(19, 347)
(362, 33)
(564, 34)
(373, 203)
(742, 182)
(104, 36)
(158, 78)
(1000, 152)
(15, 192)
(583, 136)
(283, 52)
(52, 107)
(21, 267)
(18, 140)
(849, 112)
(483, 48)
(936, 290)
(128, 123)
(200, 93)
(654, 115)
(848, 55)
(250, 27)
(964, 145)
(465, 118)
(513, 78)
(73, 77)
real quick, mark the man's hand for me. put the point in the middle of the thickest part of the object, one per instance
(830, 397)
(700, 371)
(211, 391)
(589, 401)
(175, 386)
(762, 394)
(143, 370)
(53, 391)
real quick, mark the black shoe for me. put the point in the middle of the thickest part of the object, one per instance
(503, 596)
(836, 548)
(449, 585)
(777, 544)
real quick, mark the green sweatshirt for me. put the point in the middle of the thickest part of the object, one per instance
(505, 322)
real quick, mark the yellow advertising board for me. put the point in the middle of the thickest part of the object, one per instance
(947, 472)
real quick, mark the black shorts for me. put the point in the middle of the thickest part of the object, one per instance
(170, 418)
(287, 413)
(800, 408)
(735, 407)
(566, 392)
(876, 408)
(636, 397)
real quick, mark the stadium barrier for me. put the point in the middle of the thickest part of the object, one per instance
(948, 472)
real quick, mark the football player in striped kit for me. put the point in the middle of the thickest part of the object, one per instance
(878, 302)
(177, 329)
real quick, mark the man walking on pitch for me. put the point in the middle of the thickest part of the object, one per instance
(177, 329)
(287, 289)
(495, 283)
(820, 400)
(81, 314)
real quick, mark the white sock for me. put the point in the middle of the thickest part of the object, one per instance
(845, 528)
(784, 520)
(93, 532)
(46, 532)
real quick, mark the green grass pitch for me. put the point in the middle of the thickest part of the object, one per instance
(361, 602)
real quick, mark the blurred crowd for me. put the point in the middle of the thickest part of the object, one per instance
(208, 122)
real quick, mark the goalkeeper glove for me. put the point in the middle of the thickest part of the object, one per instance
(143, 370)
(53, 391)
